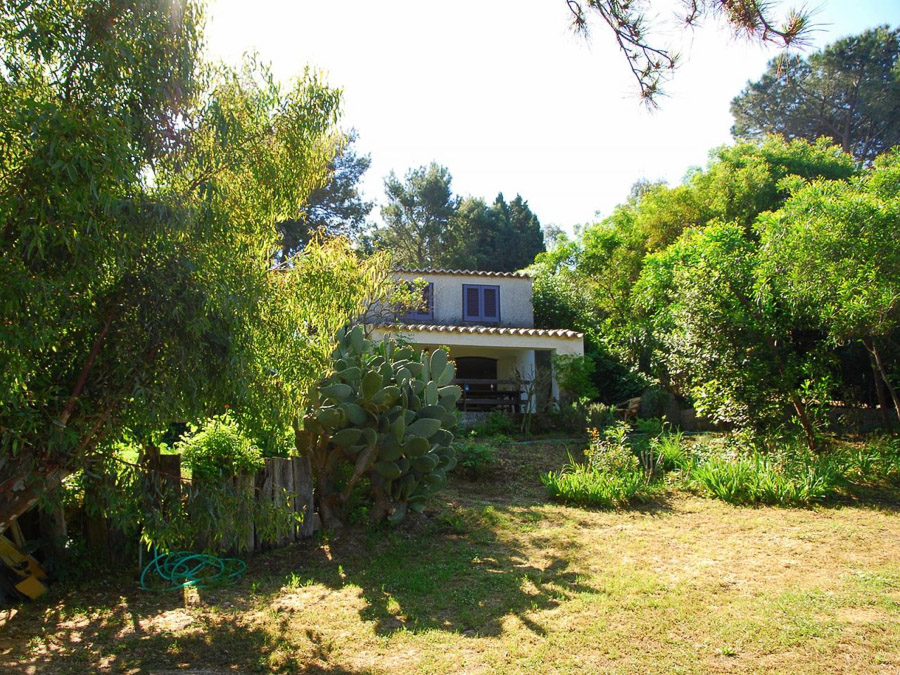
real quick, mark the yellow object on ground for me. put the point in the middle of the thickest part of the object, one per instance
(25, 567)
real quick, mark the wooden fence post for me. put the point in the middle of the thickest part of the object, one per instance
(286, 499)
(304, 502)
(245, 488)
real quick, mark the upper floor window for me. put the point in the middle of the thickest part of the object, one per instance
(425, 310)
(481, 303)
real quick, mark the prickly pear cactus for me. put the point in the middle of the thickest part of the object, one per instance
(388, 409)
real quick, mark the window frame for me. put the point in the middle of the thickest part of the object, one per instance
(422, 317)
(480, 317)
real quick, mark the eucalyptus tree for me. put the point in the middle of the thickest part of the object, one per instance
(137, 211)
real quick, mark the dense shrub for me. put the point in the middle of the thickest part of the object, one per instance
(219, 449)
(475, 459)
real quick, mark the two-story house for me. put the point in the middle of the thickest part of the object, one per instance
(486, 319)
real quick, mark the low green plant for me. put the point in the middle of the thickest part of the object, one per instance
(497, 423)
(597, 415)
(788, 477)
(609, 451)
(611, 475)
(671, 452)
(652, 426)
(583, 485)
(876, 461)
(475, 459)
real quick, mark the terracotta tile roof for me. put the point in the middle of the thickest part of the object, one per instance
(483, 330)
(474, 273)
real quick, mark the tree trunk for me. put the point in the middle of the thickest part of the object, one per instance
(805, 422)
(327, 500)
(882, 399)
(872, 346)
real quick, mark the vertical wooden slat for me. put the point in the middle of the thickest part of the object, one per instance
(286, 534)
(304, 502)
(266, 493)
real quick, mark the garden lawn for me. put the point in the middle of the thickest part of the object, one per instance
(496, 579)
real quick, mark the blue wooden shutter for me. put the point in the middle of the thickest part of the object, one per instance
(471, 303)
(490, 303)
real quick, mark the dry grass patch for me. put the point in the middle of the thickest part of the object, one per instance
(497, 580)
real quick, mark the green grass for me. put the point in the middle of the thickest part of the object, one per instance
(496, 578)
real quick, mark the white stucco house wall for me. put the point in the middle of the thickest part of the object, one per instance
(486, 319)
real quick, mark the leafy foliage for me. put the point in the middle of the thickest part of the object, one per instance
(611, 476)
(475, 459)
(137, 220)
(219, 450)
(418, 216)
(833, 252)
(336, 208)
(787, 474)
(426, 225)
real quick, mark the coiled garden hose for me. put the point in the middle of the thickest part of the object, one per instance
(185, 569)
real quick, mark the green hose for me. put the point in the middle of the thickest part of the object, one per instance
(184, 569)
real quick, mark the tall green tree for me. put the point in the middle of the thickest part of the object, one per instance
(849, 92)
(137, 213)
(834, 251)
(418, 217)
(610, 257)
(336, 208)
(502, 237)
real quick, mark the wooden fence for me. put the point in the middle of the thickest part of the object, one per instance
(281, 483)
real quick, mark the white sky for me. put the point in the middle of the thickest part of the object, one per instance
(504, 95)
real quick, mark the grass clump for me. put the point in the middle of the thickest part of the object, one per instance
(876, 461)
(778, 471)
(611, 476)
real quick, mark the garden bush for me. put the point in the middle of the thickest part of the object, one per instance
(219, 449)
(475, 459)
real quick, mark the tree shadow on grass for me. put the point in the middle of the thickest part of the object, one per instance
(450, 572)
(152, 633)
(881, 497)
